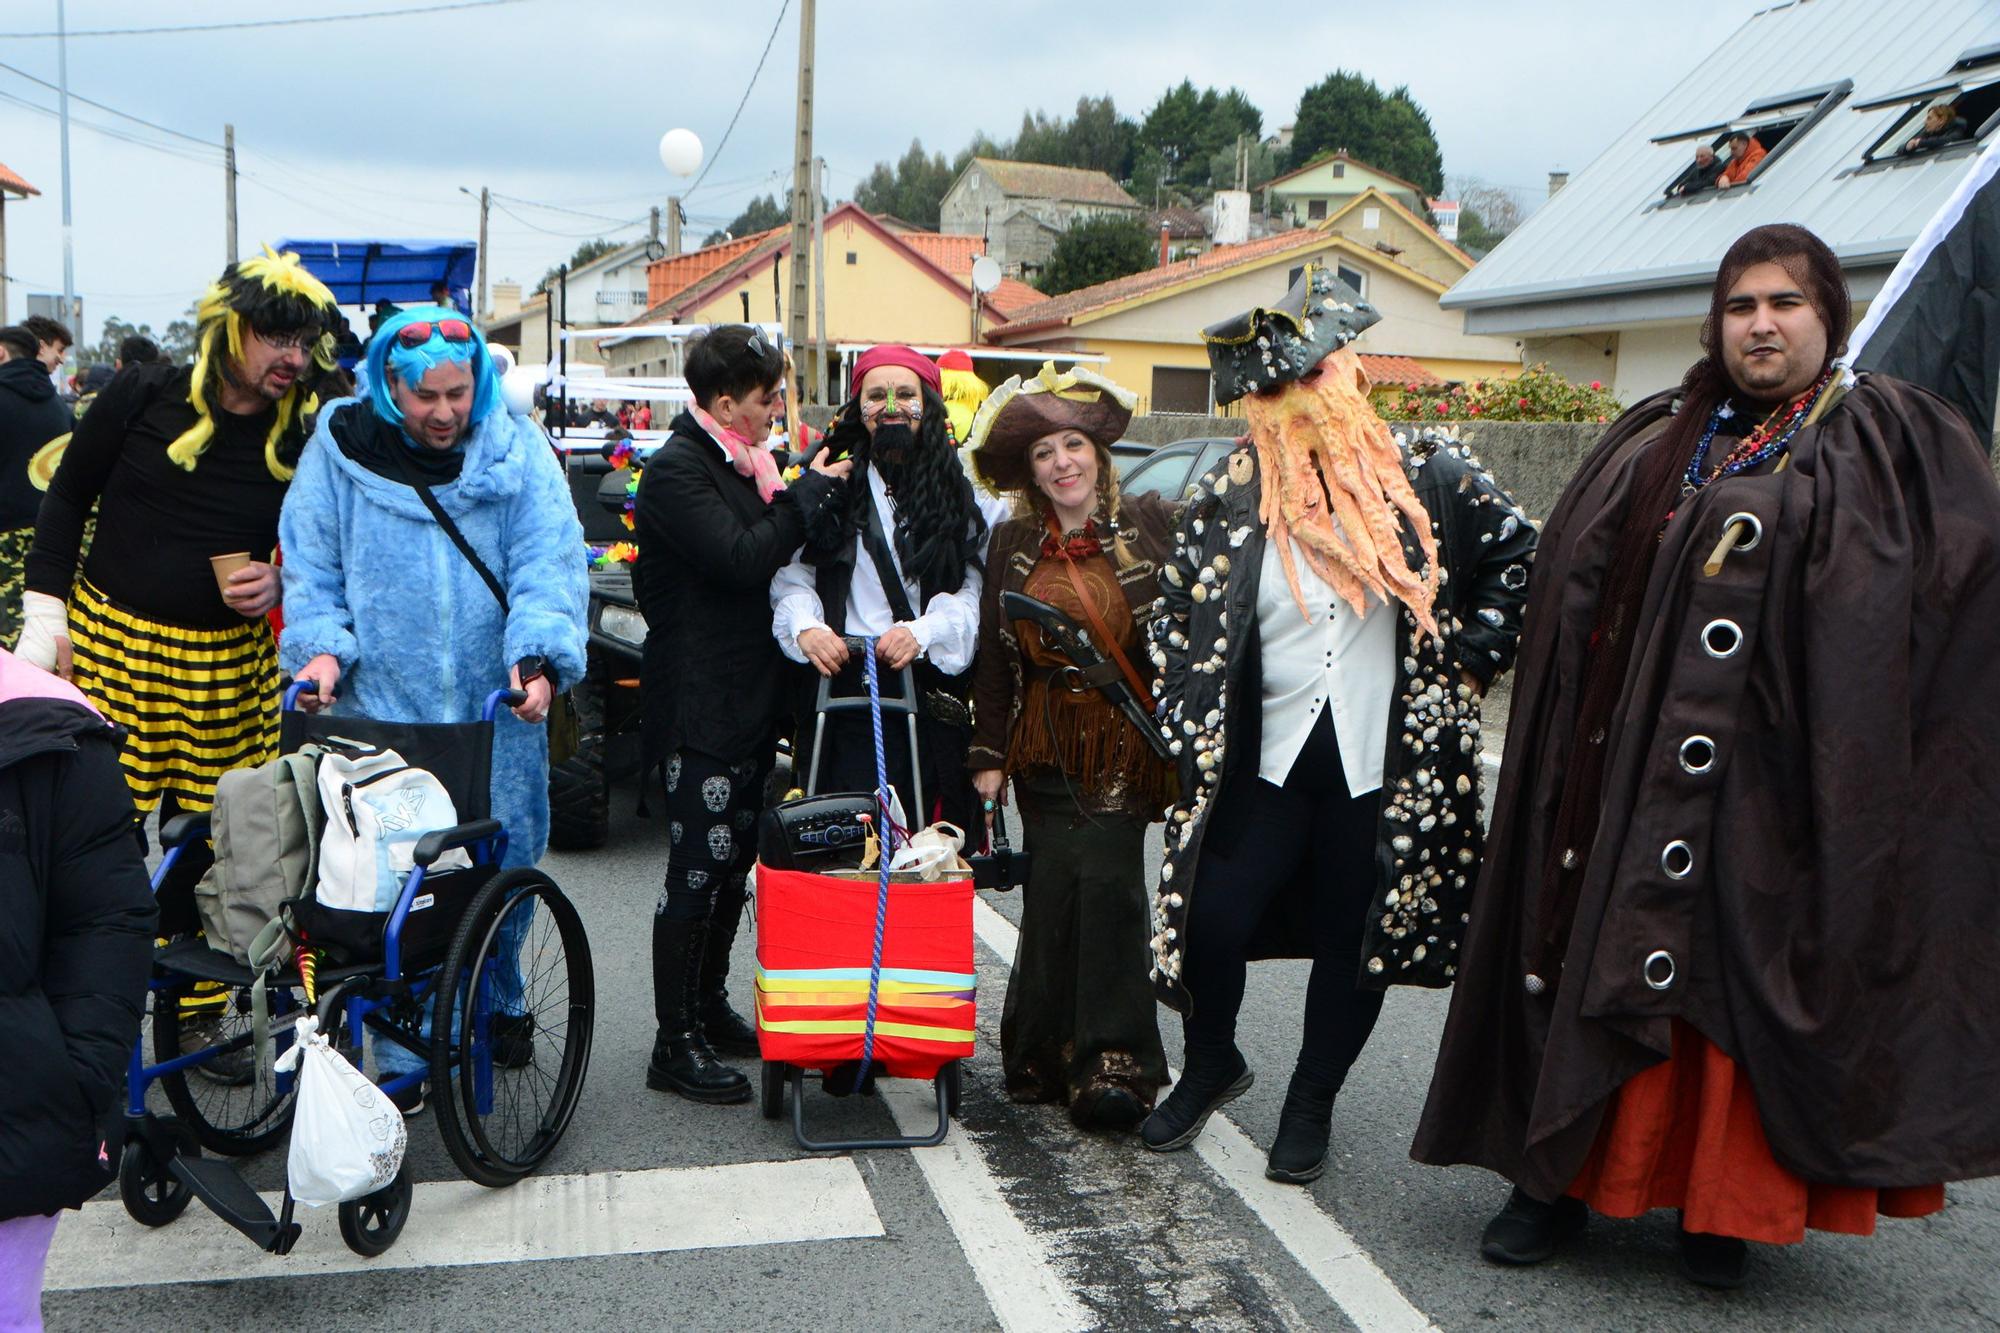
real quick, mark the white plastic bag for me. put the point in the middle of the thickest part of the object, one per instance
(933, 852)
(347, 1136)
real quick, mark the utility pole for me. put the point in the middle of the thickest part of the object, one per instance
(819, 280)
(673, 224)
(69, 253)
(802, 200)
(229, 194)
(485, 201)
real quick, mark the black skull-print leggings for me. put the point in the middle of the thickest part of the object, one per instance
(712, 809)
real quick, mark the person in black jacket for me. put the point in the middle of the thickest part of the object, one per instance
(1942, 126)
(76, 943)
(30, 416)
(714, 522)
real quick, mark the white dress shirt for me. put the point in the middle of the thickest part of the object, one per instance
(1336, 659)
(946, 630)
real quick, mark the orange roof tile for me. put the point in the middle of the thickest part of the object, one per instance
(665, 277)
(1404, 371)
(954, 254)
(11, 182)
(1060, 309)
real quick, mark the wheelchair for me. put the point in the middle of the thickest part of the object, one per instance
(481, 975)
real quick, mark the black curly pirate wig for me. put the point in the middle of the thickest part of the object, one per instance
(939, 528)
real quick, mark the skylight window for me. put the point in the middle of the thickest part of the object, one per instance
(1969, 93)
(1773, 123)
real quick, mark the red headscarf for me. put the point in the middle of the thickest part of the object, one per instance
(895, 354)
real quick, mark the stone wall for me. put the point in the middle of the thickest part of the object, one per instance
(1532, 459)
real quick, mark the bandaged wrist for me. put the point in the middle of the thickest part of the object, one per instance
(44, 619)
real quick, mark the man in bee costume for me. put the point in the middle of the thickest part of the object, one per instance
(185, 465)
(1338, 599)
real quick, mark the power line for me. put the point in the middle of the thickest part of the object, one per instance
(263, 23)
(122, 115)
(559, 208)
(740, 105)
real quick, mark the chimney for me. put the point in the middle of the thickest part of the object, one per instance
(1557, 179)
(1166, 249)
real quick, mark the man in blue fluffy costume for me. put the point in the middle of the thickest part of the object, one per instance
(384, 611)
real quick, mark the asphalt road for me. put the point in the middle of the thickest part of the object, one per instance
(1020, 1221)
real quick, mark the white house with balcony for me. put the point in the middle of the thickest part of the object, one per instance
(610, 289)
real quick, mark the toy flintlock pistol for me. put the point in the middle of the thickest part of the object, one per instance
(1089, 669)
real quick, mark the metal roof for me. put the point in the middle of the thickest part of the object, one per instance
(1601, 252)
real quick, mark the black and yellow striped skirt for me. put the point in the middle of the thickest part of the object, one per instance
(195, 703)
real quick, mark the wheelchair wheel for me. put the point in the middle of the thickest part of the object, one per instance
(371, 1223)
(953, 1076)
(152, 1194)
(771, 1099)
(520, 955)
(238, 1106)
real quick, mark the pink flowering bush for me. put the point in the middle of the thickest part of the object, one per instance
(1536, 394)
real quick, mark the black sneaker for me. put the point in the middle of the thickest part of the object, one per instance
(1714, 1261)
(1528, 1231)
(410, 1101)
(1176, 1121)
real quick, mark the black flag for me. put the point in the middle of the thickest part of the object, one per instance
(1936, 322)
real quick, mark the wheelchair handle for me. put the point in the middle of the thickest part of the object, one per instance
(502, 698)
(294, 690)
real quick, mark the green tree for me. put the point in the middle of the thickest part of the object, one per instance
(1388, 130)
(178, 341)
(1173, 128)
(589, 250)
(1100, 139)
(912, 189)
(1096, 250)
(1042, 139)
(762, 214)
(104, 352)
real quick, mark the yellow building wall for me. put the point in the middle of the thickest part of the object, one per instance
(880, 297)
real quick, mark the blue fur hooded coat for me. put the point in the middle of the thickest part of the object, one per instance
(372, 579)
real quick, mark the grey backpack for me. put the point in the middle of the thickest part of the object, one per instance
(265, 828)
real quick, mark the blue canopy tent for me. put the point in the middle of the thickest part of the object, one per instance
(362, 272)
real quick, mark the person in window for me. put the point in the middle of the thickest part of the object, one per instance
(715, 520)
(898, 561)
(1745, 152)
(1079, 1025)
(1942, 125)
(1700, 175)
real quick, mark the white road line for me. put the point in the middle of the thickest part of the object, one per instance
(1012, 1265)
(1324, 1248)
(456, 1223)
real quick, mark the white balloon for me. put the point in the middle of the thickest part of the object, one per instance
(517, 391)
(503, 360)
(680, 152)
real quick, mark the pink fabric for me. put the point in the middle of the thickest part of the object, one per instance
(895, 354)
(24, 1255)
(750, 460)
(18, 680)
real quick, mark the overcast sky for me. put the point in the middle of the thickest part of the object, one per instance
(370, 127)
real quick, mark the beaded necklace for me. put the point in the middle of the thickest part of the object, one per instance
(1771, 438)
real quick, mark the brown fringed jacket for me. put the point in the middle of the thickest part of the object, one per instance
(1024, 720)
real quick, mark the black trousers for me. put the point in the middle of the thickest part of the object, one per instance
(712, 808)
(1309, 829)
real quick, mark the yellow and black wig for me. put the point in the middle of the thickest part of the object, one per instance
(272, 294)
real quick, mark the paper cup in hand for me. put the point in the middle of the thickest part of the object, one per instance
(225, 565)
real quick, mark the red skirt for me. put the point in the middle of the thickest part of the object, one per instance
(1685, 1134)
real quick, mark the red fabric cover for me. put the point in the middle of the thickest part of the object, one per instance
(1685, 1134)
(808, 922)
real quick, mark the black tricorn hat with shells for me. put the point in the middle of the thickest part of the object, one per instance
(1271, 345)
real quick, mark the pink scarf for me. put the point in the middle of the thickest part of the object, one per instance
(750, 460)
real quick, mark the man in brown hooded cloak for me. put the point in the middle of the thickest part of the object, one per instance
(1732, 946)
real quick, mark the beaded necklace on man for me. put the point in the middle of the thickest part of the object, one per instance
(1771, 438)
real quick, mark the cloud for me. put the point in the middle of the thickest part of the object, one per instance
(370, 128)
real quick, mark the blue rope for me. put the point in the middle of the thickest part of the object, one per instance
(885, 835)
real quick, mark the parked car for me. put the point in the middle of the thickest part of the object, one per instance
(1169, 470)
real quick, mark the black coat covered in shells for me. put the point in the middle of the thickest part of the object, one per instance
(1429, 839)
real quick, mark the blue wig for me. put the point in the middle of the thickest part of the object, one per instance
(387, 356)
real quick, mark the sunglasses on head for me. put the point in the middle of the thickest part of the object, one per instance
(419, 333)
